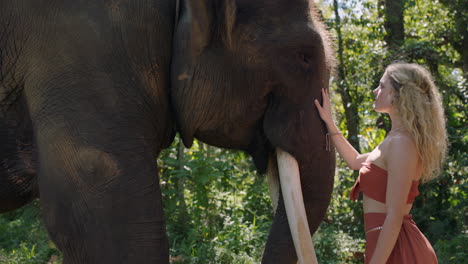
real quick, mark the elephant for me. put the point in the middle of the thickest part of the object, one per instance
(91, 91)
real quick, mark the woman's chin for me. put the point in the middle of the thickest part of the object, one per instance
(378, 110)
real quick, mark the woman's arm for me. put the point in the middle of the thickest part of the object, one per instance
(402, 161)
(344, 148)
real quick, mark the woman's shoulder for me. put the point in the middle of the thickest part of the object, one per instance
(401, 144)
(401, 140)
(401, 151)
(397, 139)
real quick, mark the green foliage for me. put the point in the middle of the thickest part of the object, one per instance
(452, 251)
(23, 239)
(228, 211)
(334, 246)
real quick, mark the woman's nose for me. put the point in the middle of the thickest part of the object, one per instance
(375, 91)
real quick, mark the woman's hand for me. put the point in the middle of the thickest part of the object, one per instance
(325, 110)
(346, 150)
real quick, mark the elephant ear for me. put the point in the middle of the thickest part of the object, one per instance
(228, 10)
(205, 19)
(199, 17)
(199, 24)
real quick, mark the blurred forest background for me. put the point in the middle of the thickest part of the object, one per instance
(218, 208)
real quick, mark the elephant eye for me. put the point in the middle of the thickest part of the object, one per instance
(304, 59)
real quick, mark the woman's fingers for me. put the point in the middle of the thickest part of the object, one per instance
(325, 96)
(326, 99)
(325, 108)
(319, 107)
(317, 104)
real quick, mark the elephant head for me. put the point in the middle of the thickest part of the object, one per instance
(244, 76)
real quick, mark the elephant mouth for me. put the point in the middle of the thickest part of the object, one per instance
(283, 173)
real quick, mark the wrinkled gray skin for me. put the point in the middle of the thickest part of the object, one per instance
(92, 91)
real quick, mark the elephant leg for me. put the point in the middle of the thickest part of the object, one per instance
(98, 180)
(279, 248)
(100, 206)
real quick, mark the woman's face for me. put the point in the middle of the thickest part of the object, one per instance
(384, 94)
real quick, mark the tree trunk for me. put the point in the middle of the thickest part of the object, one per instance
(394, 24)
(351, 111)
(179, 184)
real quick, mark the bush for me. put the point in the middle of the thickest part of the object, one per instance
(332, 245)
(23, 238)
(218, 208)
(452, 251)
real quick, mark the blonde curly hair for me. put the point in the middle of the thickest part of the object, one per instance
(418, 101)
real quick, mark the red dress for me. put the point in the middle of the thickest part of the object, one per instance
(411, 246)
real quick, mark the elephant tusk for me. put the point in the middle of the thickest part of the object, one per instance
(294, 203)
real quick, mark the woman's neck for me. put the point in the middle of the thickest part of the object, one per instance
(397, 124)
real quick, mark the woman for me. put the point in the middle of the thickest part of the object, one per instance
(412, 152)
